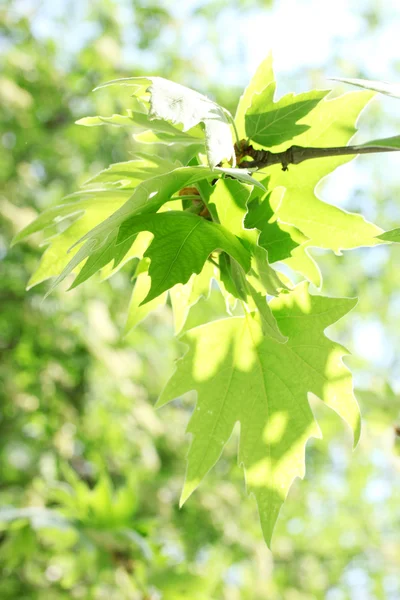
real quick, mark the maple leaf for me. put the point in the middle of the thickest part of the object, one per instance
(80, 213)
(131, 173)
(149, 195)
(178, 104)
(332, 123)
(242, 376)
(271, 123)
(328, 123)
(181, 245)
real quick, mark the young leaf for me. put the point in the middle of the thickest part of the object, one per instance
(147, 197)
(271, 123)
(87, 211)
(239, 375)
(181, 105)
(143, 122)
(129, 174)
(151, 194)
(331, 123)
(263, 77)
(182, 242)
(389, 89)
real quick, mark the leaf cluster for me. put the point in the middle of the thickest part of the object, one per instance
(193, 220)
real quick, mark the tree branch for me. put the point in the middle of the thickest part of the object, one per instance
(297, 154)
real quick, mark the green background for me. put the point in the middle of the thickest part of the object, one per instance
(91, 474)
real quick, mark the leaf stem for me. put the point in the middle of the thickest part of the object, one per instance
(232, 120)
(186, 197)
(298, 154)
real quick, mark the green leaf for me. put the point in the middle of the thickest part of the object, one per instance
(279, 239)
(263, 77)
(117, 120)
(331, 123)
(271, 123)
(391, 142)
(107, 253)
(130, 173)
(147, 197)
(87, 213)
(389, 89)
(151, 194)
(181, 245)
(229, 198)
(283, 242)
(138, 311)
(390, 236)
(144, 123)
(267, 122)
(181, 105)
(184, 296)
(240, 375)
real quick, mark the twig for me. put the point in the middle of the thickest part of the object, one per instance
(297, 154)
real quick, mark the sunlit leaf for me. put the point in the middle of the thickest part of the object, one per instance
(181, 105)
(389, 89)
(182, 242)
(240, 375)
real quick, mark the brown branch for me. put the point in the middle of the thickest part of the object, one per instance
(297, 154)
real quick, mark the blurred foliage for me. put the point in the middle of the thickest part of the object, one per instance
(90, 473)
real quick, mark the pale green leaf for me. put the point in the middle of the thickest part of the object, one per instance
(180, 138)
(130, 173)
(240, 375)
(263, 77)
(151, 194)
(137, 310)
(331, 123)
(117, 120)
(184, 296)
(144, 123)
(58, 254)
(74, 206)
(272, 123)
(389, 89)
(178, 104)
(267, 122)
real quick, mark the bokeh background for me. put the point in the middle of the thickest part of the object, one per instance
(90, 472)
